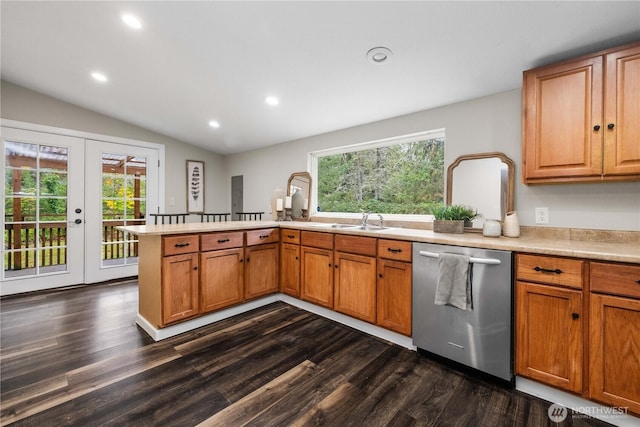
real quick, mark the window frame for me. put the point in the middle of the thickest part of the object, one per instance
(312, 163)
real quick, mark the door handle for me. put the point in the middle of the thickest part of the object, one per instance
(76, 221)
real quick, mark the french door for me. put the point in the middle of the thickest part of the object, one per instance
(63, 201)
(43, 211)
(122, 189)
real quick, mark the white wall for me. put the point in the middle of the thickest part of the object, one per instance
(491, 123)
(18, 103)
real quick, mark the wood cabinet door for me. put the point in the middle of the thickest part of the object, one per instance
(549, 335)
(562, 122)
(261, 270)
(290, 269)
(394, 296)
(221, 279)
(355, 286)
(179, 287)
(622, 113)
(316, 276)
(614, 351)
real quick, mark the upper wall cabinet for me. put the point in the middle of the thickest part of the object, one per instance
(581, 119)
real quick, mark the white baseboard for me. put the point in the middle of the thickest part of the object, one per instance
(604, 413)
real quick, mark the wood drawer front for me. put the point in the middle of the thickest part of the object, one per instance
(290, 236)
(550, 270)
(356, 244)
(177, 245)
(394, 249)
(316, 239)
(215, 241)
(259, 237)
(618, 279)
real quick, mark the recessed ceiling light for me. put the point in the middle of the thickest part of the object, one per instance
(379, 55)
(214, 124)
(132, 21)
(272, 100)
(99, 76)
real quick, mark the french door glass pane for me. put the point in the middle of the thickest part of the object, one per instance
(35, 206)
(123, 203)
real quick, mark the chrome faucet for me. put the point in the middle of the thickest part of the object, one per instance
(381, 220)
(365, 218)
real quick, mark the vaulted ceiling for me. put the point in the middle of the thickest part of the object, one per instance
(195, 62)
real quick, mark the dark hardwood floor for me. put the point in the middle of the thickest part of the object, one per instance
(76, 357)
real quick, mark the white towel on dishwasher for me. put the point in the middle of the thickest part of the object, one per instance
(454, 281)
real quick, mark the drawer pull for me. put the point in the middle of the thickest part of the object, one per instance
(290, 236)
(264, 236)
(223, 240)
(395, 251)
(575, 316)
(546, 270)
(181, 245)
(638, 282)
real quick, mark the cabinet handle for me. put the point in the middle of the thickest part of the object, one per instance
(223, 240)
(546, 270)
(329, 265)
(181, 245)
(596, 128)
(380, 275)
(241, 260)
(610, 126)
(297, 258)
(395, 251)
(335, 265)
(195, 268)
(290, 236)
(248, 259)
(638, 282)
(575, 316)
(264, 236)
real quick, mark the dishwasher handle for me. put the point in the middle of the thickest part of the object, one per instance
(473, 260)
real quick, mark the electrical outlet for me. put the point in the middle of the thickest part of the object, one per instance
(542, 215)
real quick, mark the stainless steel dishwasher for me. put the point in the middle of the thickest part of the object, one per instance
(481, 337)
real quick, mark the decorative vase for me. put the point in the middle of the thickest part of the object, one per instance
(448, 226)
(491, 228)
(511, 226)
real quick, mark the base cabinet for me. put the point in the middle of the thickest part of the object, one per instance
(355, 286)
(614, 335)
(317, 276)
(290, 262)
(614, 374)
(179, 287)
(221, 279)
(549, 335)
(261, 270)
(394, 295)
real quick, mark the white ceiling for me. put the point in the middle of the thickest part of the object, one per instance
(193, 62)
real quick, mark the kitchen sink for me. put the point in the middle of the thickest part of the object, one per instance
(369, 228)
(337, 226)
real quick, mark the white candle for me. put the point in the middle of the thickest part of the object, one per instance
(287, 202)
(279, 204)
(306, 204)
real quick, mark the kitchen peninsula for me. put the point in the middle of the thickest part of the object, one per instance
(156, 244)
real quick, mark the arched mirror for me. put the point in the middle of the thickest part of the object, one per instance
(299, 189)
(483, 181)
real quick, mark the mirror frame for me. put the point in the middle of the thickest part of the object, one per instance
(511, 169)
(291, 178)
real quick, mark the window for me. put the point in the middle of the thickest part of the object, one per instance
(403, 175)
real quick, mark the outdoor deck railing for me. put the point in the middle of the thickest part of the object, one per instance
(20, 238)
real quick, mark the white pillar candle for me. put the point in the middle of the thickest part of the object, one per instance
(279, 204)
(287, 202)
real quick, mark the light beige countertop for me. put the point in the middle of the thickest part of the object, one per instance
(620, 246)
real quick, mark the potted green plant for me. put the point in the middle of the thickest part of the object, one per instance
(451, 218)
